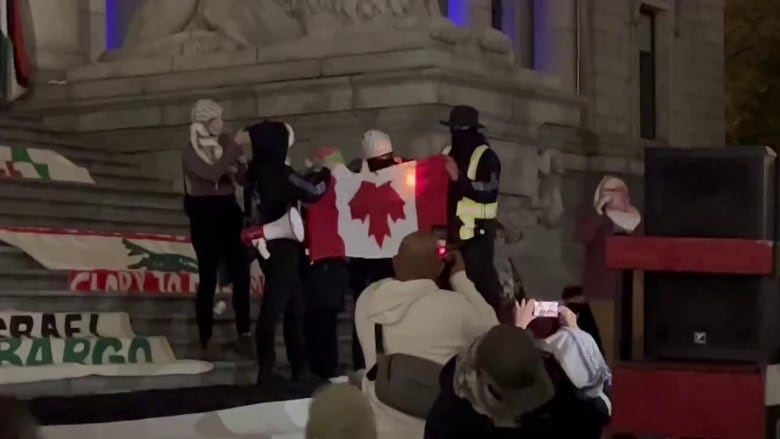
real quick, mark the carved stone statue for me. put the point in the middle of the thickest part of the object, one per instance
(327, 17)
(195, 27)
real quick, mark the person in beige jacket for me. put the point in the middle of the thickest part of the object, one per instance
(419, 319)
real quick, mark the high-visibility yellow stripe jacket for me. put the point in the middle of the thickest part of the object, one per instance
(474, 197)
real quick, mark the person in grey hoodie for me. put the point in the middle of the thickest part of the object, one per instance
(419, 319)
(213, 164)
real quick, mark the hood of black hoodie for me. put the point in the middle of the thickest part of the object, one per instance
(270, 141)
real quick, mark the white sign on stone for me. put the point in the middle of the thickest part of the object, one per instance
(38, 346)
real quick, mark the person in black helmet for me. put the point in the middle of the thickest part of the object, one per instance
(473, 199)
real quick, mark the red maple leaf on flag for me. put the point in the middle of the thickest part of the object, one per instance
(378, 205)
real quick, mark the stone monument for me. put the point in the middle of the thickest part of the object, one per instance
(333, 69)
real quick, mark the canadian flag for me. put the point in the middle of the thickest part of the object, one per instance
(367, 214)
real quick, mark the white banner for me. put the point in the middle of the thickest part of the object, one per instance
(40, 164)
(273, 420)
(114, 262)
(52, 346)
(84, 251)
(22, 324)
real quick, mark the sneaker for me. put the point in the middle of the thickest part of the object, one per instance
(210, 353)
(244, 345)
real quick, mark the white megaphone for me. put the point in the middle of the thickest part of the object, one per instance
(289, 226)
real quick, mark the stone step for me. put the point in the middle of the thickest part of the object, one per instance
(15, 117)
(31, 280)
(74, 151)
(135, 183)
(59, 299)
(158, 311)
(91, 211)
(100, 225)
(106, 169)
(224, 373)
(12, 258)
(156, 197)
(184, 329)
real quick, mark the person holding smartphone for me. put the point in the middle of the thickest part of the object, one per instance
(418, 318)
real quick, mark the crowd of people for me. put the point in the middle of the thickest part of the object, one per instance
(437, 354)
(307, 297)
(440, 352)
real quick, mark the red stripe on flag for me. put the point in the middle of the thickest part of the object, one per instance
(16, 34)
(322, 220)
(431, 185)
(144, 236)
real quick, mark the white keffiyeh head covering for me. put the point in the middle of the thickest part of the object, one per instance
(203, 141)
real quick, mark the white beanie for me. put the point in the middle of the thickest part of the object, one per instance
(376, 143)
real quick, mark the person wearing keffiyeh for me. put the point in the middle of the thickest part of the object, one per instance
(507, 384)
(213, 164)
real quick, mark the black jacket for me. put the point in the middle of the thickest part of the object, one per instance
(564, 417)
(276, 184)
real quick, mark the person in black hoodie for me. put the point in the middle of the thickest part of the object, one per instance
(377, 148)
(278, 188)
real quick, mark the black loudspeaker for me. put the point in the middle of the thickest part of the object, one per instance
(706, 317)
(710, 193)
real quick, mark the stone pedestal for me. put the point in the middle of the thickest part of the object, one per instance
(555, 39)
(403, 84)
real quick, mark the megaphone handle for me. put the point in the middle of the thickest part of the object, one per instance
(262, 248)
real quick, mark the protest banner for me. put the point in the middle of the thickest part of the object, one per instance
(40, 164)
(52, 346)
(115, 262)
(21, 324)
(146, 282)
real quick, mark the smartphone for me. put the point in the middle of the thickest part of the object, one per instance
(546, 309)
(440, 233)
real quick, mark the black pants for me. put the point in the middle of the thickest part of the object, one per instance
(215, 230)
(326, 283)
(478, 255)
(362, 273)
(282, 299)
